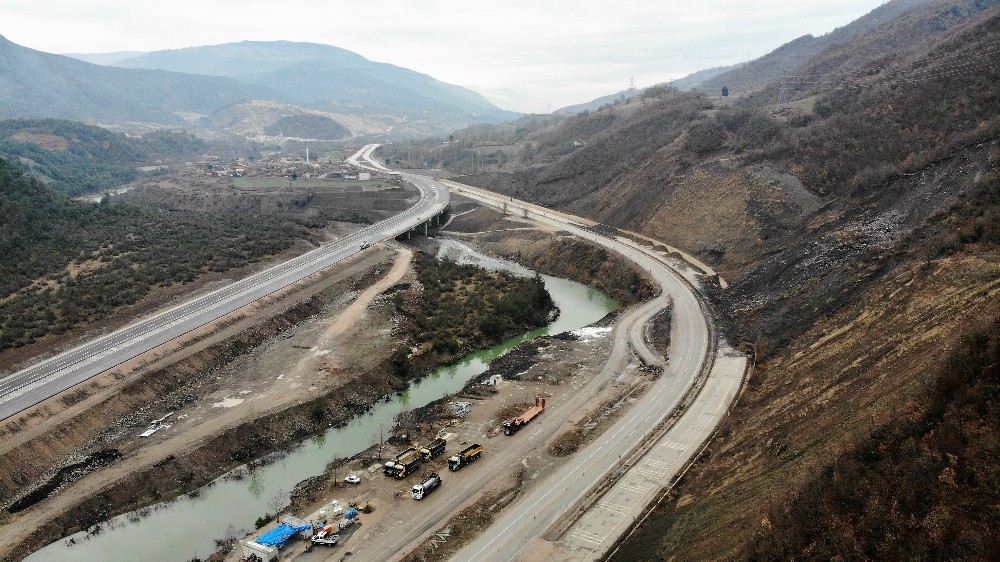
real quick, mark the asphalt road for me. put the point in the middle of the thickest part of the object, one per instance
(628, 335)
(540, 508)
(28, 387)
(363, 159)
(459, 487)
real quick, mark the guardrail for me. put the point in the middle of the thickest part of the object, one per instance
(60, 372)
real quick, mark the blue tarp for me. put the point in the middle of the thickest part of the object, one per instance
(351, 513)
(279, 535)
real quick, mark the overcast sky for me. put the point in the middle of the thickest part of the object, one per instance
(525, 55)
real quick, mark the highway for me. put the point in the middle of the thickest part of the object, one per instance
(30, 386)
(541, 509)
(369, 163)
(536, 522)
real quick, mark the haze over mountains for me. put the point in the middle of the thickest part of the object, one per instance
(854, 211)
(180, 87)
(325, 77)
(34, 84)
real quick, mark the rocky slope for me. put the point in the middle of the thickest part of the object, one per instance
(855, 219)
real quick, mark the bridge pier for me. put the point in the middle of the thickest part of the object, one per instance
(435, 221)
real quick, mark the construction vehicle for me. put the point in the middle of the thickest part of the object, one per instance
(428, 485)
(390, 466)
(433, 449)
(405, 465)
(513, 425)
(325, 537)
(465, 456)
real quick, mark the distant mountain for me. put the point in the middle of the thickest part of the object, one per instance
(104, 58)
(188, 86)
(308, 127)
(597, 103)
(34, 84)
(790, 56)
(689, 82)
(331, 79)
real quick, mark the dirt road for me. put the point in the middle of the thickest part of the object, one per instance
(577, 379)
(245, 389)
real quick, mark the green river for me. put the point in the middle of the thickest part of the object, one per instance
(186, 528)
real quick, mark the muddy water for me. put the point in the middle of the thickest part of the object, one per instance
(187, 527)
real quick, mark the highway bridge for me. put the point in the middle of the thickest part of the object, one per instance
(25, 388)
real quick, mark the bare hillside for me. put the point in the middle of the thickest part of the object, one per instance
(856, 220)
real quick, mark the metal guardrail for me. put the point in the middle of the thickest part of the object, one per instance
(60, 372)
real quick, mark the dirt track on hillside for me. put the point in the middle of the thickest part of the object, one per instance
(215, 380)
(253, 383)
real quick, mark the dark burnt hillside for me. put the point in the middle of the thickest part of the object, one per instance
(792, 55)
(796, 202)
(916, 489)
(855, 216)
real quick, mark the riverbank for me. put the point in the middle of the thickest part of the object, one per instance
(214, 383)
(224, 403)
(563, 369)
(379, 337)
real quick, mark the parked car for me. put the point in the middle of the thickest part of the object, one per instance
(353, 479)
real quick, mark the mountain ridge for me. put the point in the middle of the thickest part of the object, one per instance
(857, 224)
(181, 87)
(787, 57)
(35, 84)
(324, 76)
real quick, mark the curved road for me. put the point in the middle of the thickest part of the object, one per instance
(544, 502)
(47, 378)
(542, 509)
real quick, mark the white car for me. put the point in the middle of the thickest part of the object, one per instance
(352, 479)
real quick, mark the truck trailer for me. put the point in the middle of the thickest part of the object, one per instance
(426, 486)
(390, 466)
(433, 449)
(465, 456)
(513, 425)
(405, 465)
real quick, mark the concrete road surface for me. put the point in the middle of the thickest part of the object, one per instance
(540, 510)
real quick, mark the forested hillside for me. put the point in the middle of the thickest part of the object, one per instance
(67, 263)
(308, 127)
(34, 84)
(75, 158)
(328, 78)
(855, 216)
(187, 87)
